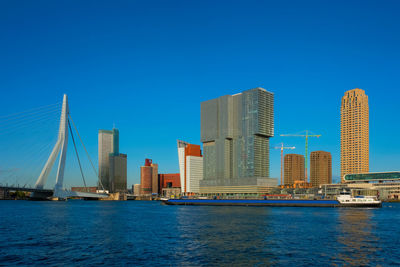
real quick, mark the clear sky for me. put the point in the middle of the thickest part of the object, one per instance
(145, 66)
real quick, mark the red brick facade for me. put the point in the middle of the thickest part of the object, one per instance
(168, 180)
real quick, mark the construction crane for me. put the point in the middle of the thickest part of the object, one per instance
(282, 148)
(306, 136)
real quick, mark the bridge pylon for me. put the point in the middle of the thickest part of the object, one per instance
(60, 149)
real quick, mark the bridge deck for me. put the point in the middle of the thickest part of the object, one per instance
(61, 193)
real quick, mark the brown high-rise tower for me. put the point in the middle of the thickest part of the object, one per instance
(320, 168)
(294, 168)
(354, 133)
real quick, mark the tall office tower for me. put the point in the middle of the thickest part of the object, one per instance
(149, 178)
(146, 178)
(354, 133)
(154, 178)
(190, 167)
(293, 168)
(320, 168)
(108, 143)
(235, 132)
(118, 173)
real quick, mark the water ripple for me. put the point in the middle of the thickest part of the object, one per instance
(76, 233)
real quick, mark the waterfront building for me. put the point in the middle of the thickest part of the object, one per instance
(108, 143)
(170, 184)
(118, 173)
(154, 178)
(235, 132)
(190, 167)
(112, 164)
(320, 168)
(169, 180)
(293, 169)
(148, 173)
(136, 190)
(90, 189)
(146, 178)
(332, 190)
(354, 138)
(385, 184)
(4, 194)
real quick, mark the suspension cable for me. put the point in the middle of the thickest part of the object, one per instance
(76, 151)
(87, 153)
(12, 120)
(30, 111)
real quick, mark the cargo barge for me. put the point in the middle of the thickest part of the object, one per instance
(341, 201)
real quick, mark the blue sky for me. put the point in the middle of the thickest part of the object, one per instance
(147, 65)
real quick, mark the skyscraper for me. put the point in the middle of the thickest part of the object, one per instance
(107, 145)
(293, 168)
(190, 167)
(154, 178)
(320, 168)
(146, 178)
(112, 164)
(118, 172)
(354, 133)
(149, 178)
(235, 132)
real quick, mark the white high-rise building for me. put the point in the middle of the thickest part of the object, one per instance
(190, 167)
(181, 159)
(194, 173)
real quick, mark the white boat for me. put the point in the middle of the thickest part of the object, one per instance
(359, 201)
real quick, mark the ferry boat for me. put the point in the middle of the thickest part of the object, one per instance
(348, 200)
(340, 201)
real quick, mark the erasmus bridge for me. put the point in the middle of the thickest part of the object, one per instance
(59, 150)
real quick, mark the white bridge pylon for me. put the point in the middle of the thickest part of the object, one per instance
(60, 148)
(61, 145)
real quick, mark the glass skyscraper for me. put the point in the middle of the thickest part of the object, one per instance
(235, 132)
(112, 164)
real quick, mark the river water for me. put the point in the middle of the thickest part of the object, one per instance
(138, 233)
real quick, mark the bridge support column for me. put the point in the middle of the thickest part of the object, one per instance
(61, 144)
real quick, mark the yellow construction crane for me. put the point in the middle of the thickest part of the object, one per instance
(282, 148)
(306, 136)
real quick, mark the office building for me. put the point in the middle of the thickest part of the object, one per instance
(354, 133)
(293, 168)
(107, 144)
(149, 173)
(154, 178)
(112, 164)
(169, 184)
(386, 185)
(235, 132)
(136, 190)
(190, 167)
(146, 178)
(169, 180)
(118, 173)
(320, 168)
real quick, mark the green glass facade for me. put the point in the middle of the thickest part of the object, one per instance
(372, 176)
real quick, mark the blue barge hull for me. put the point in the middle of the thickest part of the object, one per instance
(261, 202)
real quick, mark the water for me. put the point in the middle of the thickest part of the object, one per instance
(147, 233)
